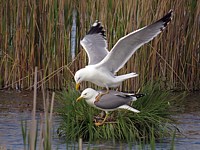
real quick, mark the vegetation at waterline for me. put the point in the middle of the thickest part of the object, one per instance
(32, 140)
(153, 120)
(38, 33)
(77, 120)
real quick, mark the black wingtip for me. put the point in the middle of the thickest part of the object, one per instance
(97, 28)
(139, 95)
(166, 19)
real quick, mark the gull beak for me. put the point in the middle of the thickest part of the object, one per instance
(79, 98)
(77, 86)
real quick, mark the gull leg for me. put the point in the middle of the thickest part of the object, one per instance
(97, 98)
(101, 123)
(100, 116)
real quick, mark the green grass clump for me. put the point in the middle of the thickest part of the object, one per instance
(153, 120)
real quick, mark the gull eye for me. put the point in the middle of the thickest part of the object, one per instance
(85, 94)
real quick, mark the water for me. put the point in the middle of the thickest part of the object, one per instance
(189, 125)
(188, 122)
(15, 107)
(10, 129)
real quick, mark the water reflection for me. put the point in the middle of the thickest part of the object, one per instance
(188, 122)
(10, 129)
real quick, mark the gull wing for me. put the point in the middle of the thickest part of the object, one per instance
(95, 43)
(112, 101)
(125, 95)
(127, 45)
(116, 99)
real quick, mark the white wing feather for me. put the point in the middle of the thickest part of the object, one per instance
(127, 45)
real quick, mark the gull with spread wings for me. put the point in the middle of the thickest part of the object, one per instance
(103, 65)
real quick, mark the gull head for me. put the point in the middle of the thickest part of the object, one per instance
(80, 76)
(88, 94)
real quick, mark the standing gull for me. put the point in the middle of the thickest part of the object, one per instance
(109, 102)
(103, 65)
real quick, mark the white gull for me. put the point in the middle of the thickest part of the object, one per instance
(103, 65)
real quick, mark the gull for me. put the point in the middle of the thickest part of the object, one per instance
(103, 65)
(112, 101)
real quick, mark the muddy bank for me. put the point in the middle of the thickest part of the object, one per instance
(12, 101)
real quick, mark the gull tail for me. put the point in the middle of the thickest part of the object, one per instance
(136, 96)
(127, 76)
(129, 108)
(132, 95)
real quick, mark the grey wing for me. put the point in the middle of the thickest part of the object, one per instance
(127, 45)
(112, 101)
(138, 95)
(95, 44)
(133, 96)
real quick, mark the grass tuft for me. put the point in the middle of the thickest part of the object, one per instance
(153, 120)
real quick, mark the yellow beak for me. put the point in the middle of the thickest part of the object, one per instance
(77, 86)
(79, 98)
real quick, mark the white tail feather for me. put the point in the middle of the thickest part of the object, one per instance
(127, 76)
(129, 108)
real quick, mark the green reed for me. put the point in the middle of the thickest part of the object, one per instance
(38, 33)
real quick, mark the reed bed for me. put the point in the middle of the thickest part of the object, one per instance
(38, 33)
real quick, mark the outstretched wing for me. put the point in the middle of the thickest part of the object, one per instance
(95, 43)
(127, 45)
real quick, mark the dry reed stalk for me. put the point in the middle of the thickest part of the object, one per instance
(41, 140)
(45, 123)
(34, 121)
(37, 33)
(51, 108)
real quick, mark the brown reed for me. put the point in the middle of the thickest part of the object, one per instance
(37, 33)
(44, 139)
